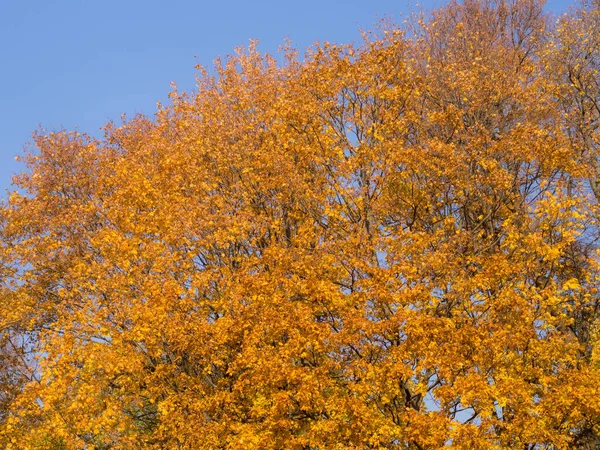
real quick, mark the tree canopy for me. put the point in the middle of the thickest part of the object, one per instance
(388, 245)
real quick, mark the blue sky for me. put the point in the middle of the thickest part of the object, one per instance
(80, 63)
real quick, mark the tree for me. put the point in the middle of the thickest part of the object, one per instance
(389, 245)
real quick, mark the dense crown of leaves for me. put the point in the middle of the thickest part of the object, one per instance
(391, 245)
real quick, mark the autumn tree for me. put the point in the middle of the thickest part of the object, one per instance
(382, 246)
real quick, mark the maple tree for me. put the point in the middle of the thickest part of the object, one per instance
(385, 245)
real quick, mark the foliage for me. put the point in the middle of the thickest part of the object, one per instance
(383, 246)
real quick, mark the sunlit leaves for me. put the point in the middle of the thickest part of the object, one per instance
(386, 245)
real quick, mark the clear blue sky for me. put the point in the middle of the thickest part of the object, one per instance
(80, 63)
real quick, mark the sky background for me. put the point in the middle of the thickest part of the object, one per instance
(77, 64)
